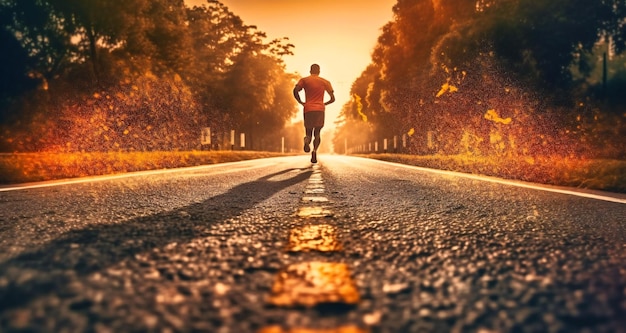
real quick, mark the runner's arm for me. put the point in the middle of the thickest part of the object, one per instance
(296, 94)
(332, 97)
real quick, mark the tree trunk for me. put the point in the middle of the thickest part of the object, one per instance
(93, 53)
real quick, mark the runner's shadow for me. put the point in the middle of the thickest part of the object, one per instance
(96, 248)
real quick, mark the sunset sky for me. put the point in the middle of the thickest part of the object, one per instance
(339, 35)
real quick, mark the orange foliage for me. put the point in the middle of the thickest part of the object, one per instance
(144, 114)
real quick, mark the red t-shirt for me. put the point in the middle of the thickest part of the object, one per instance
(314, 88)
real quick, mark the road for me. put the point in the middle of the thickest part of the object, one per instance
(278, 245)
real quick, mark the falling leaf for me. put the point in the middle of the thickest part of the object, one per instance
(359, 107)
(492, 115)
(447, 87)
(443, 90)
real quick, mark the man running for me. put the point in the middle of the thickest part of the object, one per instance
(314, 106)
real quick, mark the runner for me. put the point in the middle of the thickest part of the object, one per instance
(314, 106)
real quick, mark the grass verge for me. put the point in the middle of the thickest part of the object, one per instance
(32, 167)
(606, 175)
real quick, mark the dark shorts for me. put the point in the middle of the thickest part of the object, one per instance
(314, 119)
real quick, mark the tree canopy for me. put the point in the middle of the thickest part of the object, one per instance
(494, 77)
(134, 75)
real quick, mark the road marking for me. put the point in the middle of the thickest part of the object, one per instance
(312, 283)
(322, 238)
(314, 211)
(617, 198)
(315, 199)
(309, 284)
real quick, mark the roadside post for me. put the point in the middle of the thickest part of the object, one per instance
(205, 138)
(395, 144)
(430, 136)
(232, 139)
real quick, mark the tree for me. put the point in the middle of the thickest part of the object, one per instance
(37, 29)
(240, 79)
(457, 68)
(14, 73)
(537, 40)
(198, 59)
(263, 102)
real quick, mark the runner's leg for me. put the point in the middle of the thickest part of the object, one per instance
(307, 140)
(318, 140)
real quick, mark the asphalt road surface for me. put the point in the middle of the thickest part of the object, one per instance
(278, 245)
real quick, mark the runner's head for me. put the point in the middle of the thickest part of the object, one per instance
(315, 69)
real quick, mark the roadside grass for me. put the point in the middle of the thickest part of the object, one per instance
(33, 167)
(606, 175)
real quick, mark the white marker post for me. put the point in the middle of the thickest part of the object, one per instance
(232, 139)
(242, 141)
(430, 135)
(395, 143)
(205, 139)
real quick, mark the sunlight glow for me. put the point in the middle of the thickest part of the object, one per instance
(341, 42)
